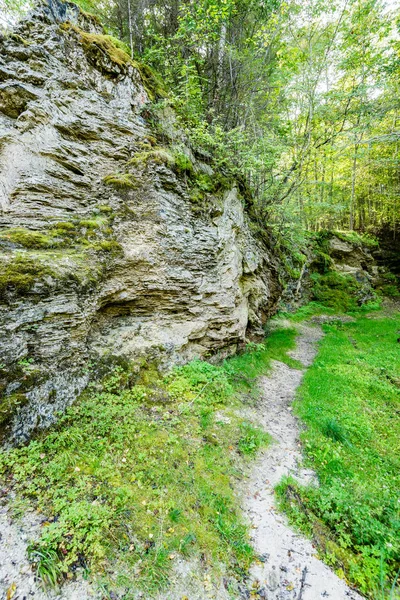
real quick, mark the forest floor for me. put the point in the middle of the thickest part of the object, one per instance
(346, 395)
(287, 566)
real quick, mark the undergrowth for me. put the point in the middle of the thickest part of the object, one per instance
(350, 403)
(134, 476)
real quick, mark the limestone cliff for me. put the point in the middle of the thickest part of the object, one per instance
(117, 242)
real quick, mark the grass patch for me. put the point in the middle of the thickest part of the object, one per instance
(305, 312)
(350, 402)
(134, 476)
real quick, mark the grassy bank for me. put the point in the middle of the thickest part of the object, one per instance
(350, 403)
(135, 476)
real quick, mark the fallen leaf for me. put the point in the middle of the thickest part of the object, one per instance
(11, 591)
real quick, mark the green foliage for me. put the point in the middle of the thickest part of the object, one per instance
(46, 564)
(336, 291)
(306, 118)
(135, 476)
(348, 400)
(251, 439)
(183, 164)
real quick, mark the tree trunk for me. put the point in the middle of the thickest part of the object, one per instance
(353, 188)
(130, 26)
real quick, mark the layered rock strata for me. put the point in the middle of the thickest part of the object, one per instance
(117, 243)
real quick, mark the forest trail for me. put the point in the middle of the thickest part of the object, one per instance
(289, 569)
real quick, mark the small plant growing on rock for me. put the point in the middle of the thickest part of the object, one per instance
(121, 180)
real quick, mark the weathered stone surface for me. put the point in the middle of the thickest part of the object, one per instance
(93, 272)
(348, 257)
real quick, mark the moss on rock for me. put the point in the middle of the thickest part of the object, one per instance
(27, 238)
(121, 180)
(19, 273)
(158, 155)
(9, 405)
(99, 46)
(151, 81)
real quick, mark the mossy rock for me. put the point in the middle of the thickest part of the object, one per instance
(110, 246)
(121, 180)
(28, 239)
(94, 19)
(19, 274)
(321, 262)
(152, 83)
(98, 46)
(9, 406)
(19, 39)
(337, 291)
(158, 155)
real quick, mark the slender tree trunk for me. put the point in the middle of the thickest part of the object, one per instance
(130, 26)
(353, 188)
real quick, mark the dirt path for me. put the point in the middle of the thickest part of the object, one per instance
(290, 569)
(17, 581)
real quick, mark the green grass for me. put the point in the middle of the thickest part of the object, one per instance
(350, 403)
(134, 476)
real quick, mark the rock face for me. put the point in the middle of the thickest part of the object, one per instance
(113, 246)
(350, 257)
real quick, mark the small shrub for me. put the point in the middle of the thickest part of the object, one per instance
(182, 164)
